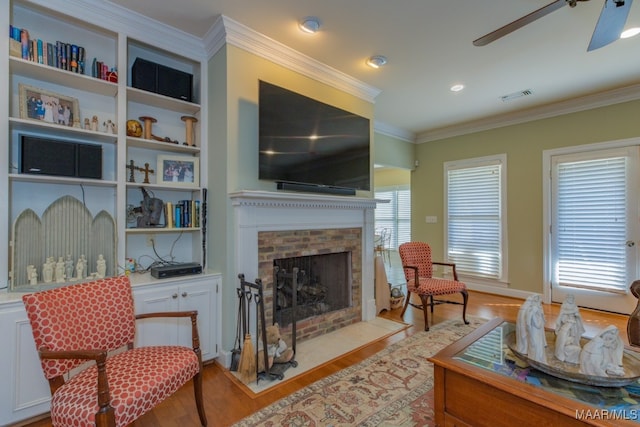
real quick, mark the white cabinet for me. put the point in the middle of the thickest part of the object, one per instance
(24, 392)
(183, 294)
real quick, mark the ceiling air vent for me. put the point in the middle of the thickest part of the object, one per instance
(515, 95)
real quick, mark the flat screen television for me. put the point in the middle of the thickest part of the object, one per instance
(304, 141)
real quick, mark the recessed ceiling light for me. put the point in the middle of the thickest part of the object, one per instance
(310, 24)
(376, 61)
(630, 33)
(456, 88)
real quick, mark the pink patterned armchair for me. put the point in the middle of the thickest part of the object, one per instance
(418, 271)
(83, 322)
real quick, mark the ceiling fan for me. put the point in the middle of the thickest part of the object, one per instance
(610, 24)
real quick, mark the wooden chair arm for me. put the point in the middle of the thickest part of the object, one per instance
(415, 273)
(97, 355)
(105, 411)
(193, 314)
(448, 264)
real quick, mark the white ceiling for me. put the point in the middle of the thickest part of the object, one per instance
(429, 47)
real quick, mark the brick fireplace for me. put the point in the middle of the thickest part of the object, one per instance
(286, 244)
(275, 225)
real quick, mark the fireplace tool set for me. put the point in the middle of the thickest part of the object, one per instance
(248, 366)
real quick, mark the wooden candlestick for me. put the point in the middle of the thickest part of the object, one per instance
(148, 122)
(189, 121)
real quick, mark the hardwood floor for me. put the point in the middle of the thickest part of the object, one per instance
(226, 403)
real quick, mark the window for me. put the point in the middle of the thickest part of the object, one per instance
(475, 213)
(395, 216)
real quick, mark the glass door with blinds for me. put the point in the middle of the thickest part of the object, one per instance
(593, 230)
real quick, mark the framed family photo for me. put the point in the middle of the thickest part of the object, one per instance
(178, 171)
(50, 107)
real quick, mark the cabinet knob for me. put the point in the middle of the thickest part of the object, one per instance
(174, 296)
(184, 294)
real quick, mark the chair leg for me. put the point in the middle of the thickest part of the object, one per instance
(406, 303)
(197, 388)
(425, 309)
(465, 298)
(432, 303)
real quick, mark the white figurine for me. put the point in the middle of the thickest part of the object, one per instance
(536, 338)
(59, 271)
(602, 356)
(110, 127)
(101, 267)
(521, 325)
(80, 269)
(47, 271)
(569, 329)
(68, 267)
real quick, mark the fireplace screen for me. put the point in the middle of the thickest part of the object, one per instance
(323, 285)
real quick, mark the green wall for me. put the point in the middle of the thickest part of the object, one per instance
(392, 178)
(393, 152)
(523, 145)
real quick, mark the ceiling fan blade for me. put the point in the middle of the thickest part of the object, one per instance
(519, 23)
(610, 24)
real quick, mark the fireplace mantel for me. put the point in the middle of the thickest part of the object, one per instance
(299, 200)
(256, 211)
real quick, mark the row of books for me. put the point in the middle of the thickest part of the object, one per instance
(182, 214)
(62, 55)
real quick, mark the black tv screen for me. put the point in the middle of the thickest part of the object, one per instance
(302, 140)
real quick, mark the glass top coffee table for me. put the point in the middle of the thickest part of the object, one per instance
(478, 383)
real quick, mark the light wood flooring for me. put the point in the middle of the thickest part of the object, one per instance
(226, 403)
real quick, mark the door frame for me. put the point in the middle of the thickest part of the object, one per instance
(547, 155)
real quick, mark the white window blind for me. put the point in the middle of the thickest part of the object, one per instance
(591, 223)
(395, 216)
(474, 217)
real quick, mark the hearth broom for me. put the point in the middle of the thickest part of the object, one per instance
(247, 365)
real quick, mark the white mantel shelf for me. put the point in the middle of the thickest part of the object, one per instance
(284, 199)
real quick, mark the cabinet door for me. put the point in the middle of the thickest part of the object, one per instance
(198, 296)
(160, 331)
(25, 391)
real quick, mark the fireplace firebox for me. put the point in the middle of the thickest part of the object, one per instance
(322, 286)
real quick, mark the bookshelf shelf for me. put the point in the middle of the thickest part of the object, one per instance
(36, 71)
(162, 230)
(151, 144)
(26, 125)
(47, 179)
(161, 101)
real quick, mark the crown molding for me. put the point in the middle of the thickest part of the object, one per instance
(234, 33)
(133, 24)
(394, 132)
(583, 103)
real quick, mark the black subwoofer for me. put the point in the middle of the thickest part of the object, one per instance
(45, 156)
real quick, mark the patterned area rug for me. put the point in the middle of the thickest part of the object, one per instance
(391, 388)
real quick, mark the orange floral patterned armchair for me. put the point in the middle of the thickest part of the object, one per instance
(418, 271)
(88, 322)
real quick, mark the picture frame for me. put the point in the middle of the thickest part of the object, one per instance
(46, 106)
(178, 171)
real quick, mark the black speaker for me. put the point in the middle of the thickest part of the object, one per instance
(157, 78)
(44, 156)
(144, 75)
(174, 83)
